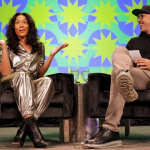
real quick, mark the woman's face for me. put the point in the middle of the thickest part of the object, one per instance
(21, 26)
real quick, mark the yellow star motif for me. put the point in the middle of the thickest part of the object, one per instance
(41, 16)
(105, 47)
(74, 49)
(6, 12)
(72, 14)
(105, 14)
(47, 45)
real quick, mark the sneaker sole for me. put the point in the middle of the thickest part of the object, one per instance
(109, 144)
(124, 84)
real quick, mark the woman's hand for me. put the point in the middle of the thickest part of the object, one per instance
(143, 63)
(3, 45)
(57, 49)
(5, 67)
(47, 63)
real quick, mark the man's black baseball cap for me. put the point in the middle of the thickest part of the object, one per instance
(145, 9)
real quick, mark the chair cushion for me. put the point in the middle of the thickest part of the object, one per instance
(7, 98)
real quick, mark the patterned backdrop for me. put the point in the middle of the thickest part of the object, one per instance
(91, 27)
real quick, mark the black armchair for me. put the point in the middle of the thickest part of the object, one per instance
(61, 105)
(99, 87)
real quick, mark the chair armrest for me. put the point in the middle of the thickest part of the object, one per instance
(65, 82)
(97, 83)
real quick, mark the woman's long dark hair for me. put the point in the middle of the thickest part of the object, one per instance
(32, 36)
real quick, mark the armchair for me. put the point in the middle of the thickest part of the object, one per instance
(99, 87)
(61, 105)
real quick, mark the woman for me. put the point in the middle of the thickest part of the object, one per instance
(22, 66)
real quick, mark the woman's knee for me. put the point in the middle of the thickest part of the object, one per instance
(47, 80)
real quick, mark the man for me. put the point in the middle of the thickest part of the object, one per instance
(125, 79)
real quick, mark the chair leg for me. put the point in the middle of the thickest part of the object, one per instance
(127, 127)
(64, 130)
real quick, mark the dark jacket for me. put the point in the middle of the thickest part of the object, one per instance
(141, 43)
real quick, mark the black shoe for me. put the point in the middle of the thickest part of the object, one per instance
(92, 139)
(20, 137)
(34, 133)
(105, 138)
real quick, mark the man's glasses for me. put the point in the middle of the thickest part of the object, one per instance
(140, 16)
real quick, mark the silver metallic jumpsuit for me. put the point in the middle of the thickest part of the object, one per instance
(32, 95)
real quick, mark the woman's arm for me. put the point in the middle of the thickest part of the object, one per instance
(5, 67)
(46, 65)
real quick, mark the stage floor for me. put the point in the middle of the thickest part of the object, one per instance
(139, 139)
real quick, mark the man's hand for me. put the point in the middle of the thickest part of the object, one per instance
(57, 49)
(143, 63)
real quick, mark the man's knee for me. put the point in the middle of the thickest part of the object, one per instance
(120, 49)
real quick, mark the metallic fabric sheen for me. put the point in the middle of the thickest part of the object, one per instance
(32, 95)
(24, 61)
